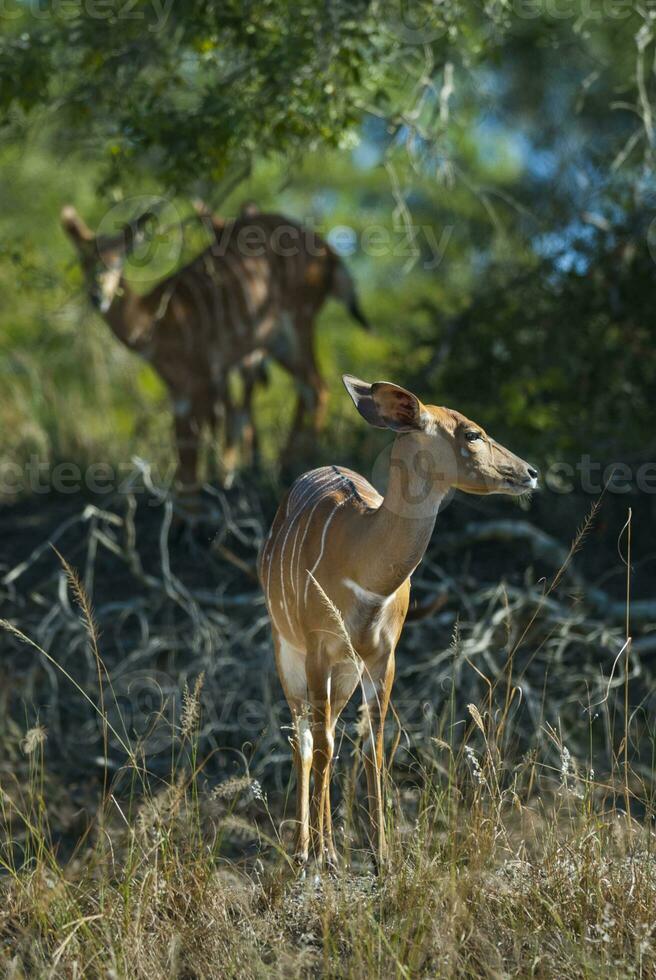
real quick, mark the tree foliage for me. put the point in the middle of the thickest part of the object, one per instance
(561, 356)
(204, 89)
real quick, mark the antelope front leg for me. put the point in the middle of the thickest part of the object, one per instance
(188, 426)
(331, 853)
(315, 386)
(250, 436)
(312, 396)
(321, 759)
(322, 753)
(344, 680)
(377, 688)
(228, 464)
(303, 763)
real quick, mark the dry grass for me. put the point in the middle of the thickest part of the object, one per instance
(509, 855)
(482, 881)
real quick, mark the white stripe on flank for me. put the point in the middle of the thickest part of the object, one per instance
(290, 524)
(272, 547)
(320, 492)
(300, 554)
(298, 490)
(323, 544)
(301, 546)
(315, 488)
(294, 519)
(292, 581)
(283, 526)
(306, 485)
(306, 495)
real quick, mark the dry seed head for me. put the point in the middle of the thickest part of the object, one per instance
(476, 716)
(230, 788)
(34, 738)
(565, 764)
(191, 706)
(363, 726)
(241, 828)
(475, 765)
(441, 744)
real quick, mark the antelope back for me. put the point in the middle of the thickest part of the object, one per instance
(302, 542)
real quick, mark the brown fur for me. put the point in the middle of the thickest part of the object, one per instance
(335, 570)
(255, 291)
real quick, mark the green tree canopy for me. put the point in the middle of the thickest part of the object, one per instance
(197, 91)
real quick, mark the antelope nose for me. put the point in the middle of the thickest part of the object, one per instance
(532, 473)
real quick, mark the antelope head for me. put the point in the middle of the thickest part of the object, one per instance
(102, 257)
(447, 448)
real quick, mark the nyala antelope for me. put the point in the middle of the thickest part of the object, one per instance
(254, 291)
(335, 570)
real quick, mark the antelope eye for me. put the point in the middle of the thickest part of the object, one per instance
(472, 436)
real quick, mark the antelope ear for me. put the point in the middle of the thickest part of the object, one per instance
(211, 222)
(363, 400)
(202, 209)
(386, 405)
(136, 230)
(399, 408)
(74, 226)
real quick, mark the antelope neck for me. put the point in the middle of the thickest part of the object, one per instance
(398, 532)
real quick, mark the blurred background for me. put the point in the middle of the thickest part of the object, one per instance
(487, 173)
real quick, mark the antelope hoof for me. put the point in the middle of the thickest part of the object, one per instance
(301, 860)
(327, 863)
(331, 867)
(330, 861)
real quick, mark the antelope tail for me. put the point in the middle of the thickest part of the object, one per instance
(344, 290)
